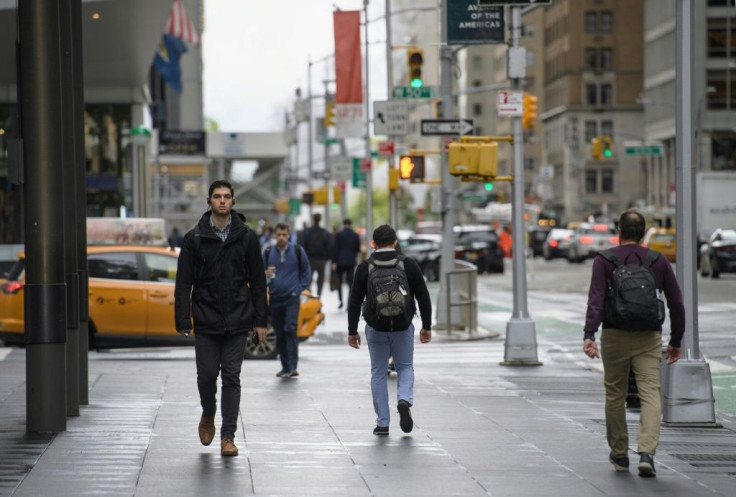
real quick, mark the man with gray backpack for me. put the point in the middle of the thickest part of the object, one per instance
(625, 297)
(385, 288)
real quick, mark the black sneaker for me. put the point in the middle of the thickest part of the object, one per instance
(406, 423)
(646, 465)
(620, 463)
(380, 430)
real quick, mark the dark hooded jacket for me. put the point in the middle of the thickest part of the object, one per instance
(220, 285)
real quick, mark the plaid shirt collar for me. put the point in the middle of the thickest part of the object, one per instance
(225, 232)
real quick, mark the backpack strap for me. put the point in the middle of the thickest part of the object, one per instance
(297, 253)
(610, 256)
(652, 256)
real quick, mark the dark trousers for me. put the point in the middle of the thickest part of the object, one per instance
(348, 272)
(215, 353)
(318, 264)
(284, 317)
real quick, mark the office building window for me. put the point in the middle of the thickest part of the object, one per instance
(477, 109)
(606, 61)
(591, 94)
(607, 181)
(607, 128)
(606, 94)
(721, 3)
(529, 164)
(723, 148)
(719, 81)
(606, 22)
(591, 181)
(591, 58)
(478, 130)
(591, 130)
(591, 18)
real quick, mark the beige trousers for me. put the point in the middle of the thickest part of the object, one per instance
(640, 351)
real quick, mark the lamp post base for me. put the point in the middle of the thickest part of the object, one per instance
(521, 344)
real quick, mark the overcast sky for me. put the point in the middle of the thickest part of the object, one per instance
(256, 53)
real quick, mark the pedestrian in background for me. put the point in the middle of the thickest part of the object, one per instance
(175, 239)
(317, 242)
(631, 343)
(287, 273)
(345, 255)
(389, 283)
(220, 294)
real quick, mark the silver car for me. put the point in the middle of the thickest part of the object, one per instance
(589, 239)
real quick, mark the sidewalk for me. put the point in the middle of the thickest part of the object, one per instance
(480, 429)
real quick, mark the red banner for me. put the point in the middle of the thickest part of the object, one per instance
(348, 60)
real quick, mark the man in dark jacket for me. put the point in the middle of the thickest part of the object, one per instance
(344, 255)
(639, 350)
(317, 242)
(389, 337)
(220, 294)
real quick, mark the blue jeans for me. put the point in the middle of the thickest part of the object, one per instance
(284, 317)
(381, 346)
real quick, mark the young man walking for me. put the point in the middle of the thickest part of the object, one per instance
(288, 273)
(220, 294)
(632, 336)
(317, 242)
(344, 255)
(389, 283)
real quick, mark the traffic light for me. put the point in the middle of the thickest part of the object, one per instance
(596, 148)
(607, 146)
(489, 187)
(415, 59)
(329, 111)
(529, 119)
(411, 167)
(473, 159)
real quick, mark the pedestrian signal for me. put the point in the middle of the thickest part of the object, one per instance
(415, 60)
(411, 167)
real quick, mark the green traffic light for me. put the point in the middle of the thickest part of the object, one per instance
(489, 187)
(416, 83)
(607, 152)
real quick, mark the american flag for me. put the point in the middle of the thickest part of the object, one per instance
(180, 25)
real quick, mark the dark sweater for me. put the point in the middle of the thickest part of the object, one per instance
(663, 275)
(360, 283)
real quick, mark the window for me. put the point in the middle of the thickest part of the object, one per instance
(591, 130)
(723, 148)
(527, 30)
(607, 181)
(718, 99)
(591, 58)
(606, 61)
(478, 130)
(607, 128)
(591, 94)
(591, 181)
(114, 266)
(606, 21)
(529, 164)
(477, 62)
(590, 21)
(606, 94)
(477, 109)
(161, 268)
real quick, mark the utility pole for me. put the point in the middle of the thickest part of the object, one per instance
(521, 341)
(369, 173)
(688, 388)
(328, 207)
(310, 133)
(393, 207)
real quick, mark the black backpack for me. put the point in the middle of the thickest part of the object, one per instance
(632, 299)
(315, 242)
(388, 295)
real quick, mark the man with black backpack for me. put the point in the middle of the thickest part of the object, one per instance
(317, 242)
(625, 296)
(385, 287)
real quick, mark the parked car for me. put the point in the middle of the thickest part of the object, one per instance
(589, 239)
(663, 241)
(557, 243)
(718, 255)
(479, 244)
(131, 301)
(426, 250)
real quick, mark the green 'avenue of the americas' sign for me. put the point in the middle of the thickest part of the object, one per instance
(469, 24)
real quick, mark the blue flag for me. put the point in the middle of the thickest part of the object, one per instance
(166, 60)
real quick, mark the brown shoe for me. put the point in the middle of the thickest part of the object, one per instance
(228, 447)
(206, 429)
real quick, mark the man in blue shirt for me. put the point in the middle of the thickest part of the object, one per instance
(287, 274)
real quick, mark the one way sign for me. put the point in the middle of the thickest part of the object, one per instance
(439, 127)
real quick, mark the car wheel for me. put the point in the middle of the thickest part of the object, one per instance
(431, 271)
(262, 350)
(714, 271)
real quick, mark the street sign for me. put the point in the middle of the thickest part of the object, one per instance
(411, 92)
(439, 127)
(390, 118)
(365, 165)
(359, 180)
(510, 103)
(295, 206)
(644, 149)
(341, 167)
(493, 3)
(386, 149)
(470, 24)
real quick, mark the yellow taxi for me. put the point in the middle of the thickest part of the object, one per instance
(131, 301)
(663, 241)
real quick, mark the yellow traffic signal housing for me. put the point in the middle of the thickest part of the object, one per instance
(393, 179)
(411, 167)
(329, 119)
(529, 118)
(282, 205)
(596, 148)
(415, 60)
(320, 195)
(476, 159)
(606, 146)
